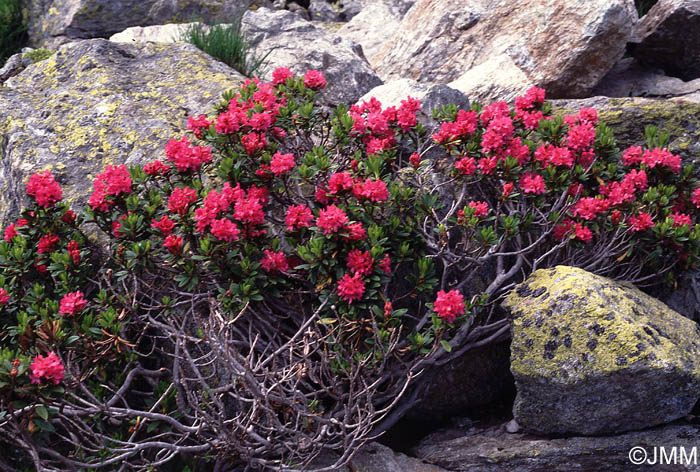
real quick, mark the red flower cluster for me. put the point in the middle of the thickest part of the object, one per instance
(156, 168)
(281, 163)
(351, 287)
(449, 305)
(4, 297)
(464, 125)
(47, 367)
(180, 199)
(74, 251)
(331, 219)
(173, 243)
(373, 190)
(11, 231)
(280, 75)
(198, 125)
(165, 225)
(72, 303)
(298, 216)
(378, 127)
(532, 183)
(480, 208)
(314, 80)
(360, 262)
(115, 180)
(185, 157)
(274, 261)
(47, 243)
(44, 188)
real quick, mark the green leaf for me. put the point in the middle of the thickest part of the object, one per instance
(446, 346)
(41, 411)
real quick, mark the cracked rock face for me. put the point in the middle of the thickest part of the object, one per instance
(669, 38)
(95, 102)
(55, 22)
(591, 356)
(565, 47)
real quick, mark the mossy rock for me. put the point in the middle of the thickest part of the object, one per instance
(628, 117)
(592, 356)
(94, 103)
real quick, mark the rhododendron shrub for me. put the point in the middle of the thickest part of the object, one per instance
(283, 277)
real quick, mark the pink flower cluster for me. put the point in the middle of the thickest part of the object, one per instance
(378, 128)
(114, 181)
(449, 305)
(185, 157)
(72, 303)
(44, 188)
(47, 368)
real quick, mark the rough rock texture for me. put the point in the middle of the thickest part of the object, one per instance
(565, 47)
(628, 117)
(630, 79)
(375, 457)
(431, 96)
(301, 45)
(591, 356)
(492, 449)
(54, 22)
(669, 38)
(477, 378)
(321, 10)
(95, 102)
(375, 24)
(499, 78)
(16, 64)
(157, 33)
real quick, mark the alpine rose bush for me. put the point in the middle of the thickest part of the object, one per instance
(277, 281)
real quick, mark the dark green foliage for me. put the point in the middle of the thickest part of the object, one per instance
(227, 44)
(13, 34)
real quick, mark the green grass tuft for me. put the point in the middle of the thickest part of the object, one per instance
(38, 55)
(227, 44)
(13, 33)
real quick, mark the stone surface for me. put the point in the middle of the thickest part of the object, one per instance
(496, 79)
(669, 38)
(431, 96)
(479, 377)
(375, 24)
(628, 117)
(54, 22)
(16, 64)
(375, 457)
(300, 45)
(629, 78)
(157, 33)
(565, 47)
(321, 10)
(95, 102)
(493, 449)
(591, 356)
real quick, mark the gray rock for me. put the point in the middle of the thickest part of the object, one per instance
(479, 377)
(669, 38)
(581, 341)
(375, 24)
(375, 457)
(301, 45)
(52, 23)
(565, 47)
(499, 78)
(493, 449)
(95, 102)
(431, 96)
(299, 10)
(157, 33)
(321, 10)
(629, 78)
(16, 64)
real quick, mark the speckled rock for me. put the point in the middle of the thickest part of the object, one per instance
(301, 45)
(591, 356)
(431, 96)
(95, 102)
(54, 22)
(679, 117)
(492, 449)
(375, 457)
(565, 47)
(669, 38)
(156, 33)
(375, 24)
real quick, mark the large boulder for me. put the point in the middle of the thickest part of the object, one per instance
(51, 23)
(498, 78)
(95, 102)
(680, 118)
(592, 356)
(669, 38)
(169, 33)
(300, 45)
(565, 47)
(492, 449)
(629, 78)
(375, 24)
